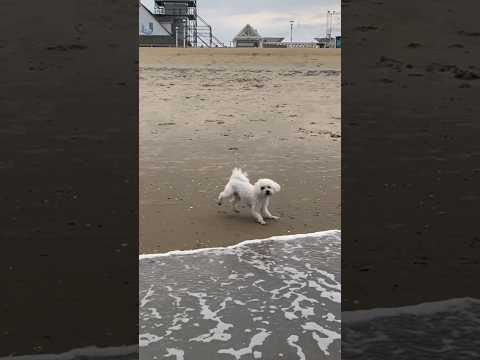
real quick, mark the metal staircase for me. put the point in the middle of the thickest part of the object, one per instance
(205, 34)
(189, 29)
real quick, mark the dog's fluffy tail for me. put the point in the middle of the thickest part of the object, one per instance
(239, 174)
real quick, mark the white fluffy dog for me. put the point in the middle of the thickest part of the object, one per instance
(256, 196)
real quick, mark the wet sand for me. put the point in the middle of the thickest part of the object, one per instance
(273, 112)
(410, 154)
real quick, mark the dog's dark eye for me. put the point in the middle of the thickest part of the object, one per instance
(268, 187)
(263, 187)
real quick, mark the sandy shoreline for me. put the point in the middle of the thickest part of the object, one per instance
(274, 112)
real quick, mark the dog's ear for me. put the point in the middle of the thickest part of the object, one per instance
(276, 186)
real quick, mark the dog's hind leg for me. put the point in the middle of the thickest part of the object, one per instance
(220, 198)
(235, 202)
(225, 194)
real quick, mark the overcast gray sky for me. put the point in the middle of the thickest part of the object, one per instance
(269, 17)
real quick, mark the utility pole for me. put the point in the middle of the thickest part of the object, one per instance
(184, 34)
(291, 30)
(176, 36)
(329, 26)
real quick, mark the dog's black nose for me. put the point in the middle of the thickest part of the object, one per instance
(268, 192)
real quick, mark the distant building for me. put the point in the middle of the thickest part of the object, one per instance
(324, 42)
(338, 42)
(273, 42)
(152, 31)
(247, 37)
(334, 42)
(174, 23)
(298, 44)
(149, 24)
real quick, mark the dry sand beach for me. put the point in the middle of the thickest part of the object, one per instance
(273, 112)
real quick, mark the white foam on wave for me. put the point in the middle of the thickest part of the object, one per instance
(146, 299)
(256, 340)
(90, 351)
(219, 331)
(296, 306)
(322, 342)
(179, 354)
(427, 308)
(147, 339)
(334, 296)
(292, 341)
(335, 233)
(330, 317)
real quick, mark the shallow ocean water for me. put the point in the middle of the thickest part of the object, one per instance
(277, 298)
(86, 353)
(442, 330)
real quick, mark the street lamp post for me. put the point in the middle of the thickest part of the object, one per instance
(291, 30)
(176, 36)
(330, 15)
(185, 34)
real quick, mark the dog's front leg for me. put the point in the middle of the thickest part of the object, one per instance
(257, 216)
(267, 213)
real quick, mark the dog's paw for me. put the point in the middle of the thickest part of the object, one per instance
(262, 222)
(274, 217)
